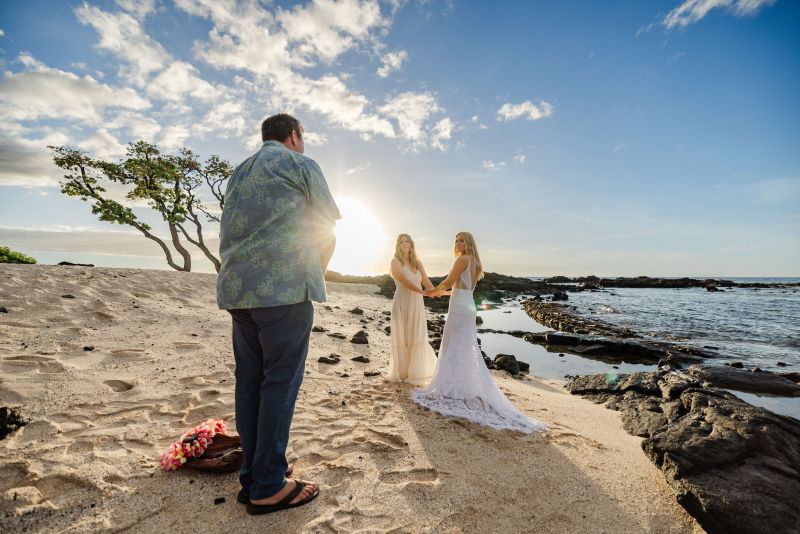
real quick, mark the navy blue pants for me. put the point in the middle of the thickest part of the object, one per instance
(270, 347)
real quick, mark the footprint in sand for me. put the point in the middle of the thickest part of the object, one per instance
(42, 364)
(118, 385)
(411, 475)
(187, 345)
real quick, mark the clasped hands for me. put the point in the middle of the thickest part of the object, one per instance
(435, 292)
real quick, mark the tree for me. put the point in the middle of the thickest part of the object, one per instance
(11, 256)
(168, 183)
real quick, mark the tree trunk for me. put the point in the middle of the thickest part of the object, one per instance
(176, 241)
(200, 243)
(163, 246)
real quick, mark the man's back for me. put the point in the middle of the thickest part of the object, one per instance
(275, 203)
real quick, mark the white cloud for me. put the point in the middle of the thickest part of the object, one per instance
(519, 159)
(275, 47)
(391, 62)
(314, 138)
(414, 113)
(122, 35)
(173, 137)
(358, 168)
(526, 109)
(138, 125)
(103, 145)
(618, 147)
(691, 11)
(45, 93)
(180, 79)
(494, 166)
(27, 162)
(140, 8)
(325, 29)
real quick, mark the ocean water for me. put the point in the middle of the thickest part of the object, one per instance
(757, 327)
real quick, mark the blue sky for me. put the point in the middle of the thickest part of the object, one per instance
(622, 138)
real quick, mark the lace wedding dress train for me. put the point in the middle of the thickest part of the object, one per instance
(462, 385)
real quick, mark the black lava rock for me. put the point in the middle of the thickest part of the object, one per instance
(360, 338)
(333, 359)
(10, 420)
(360, 359)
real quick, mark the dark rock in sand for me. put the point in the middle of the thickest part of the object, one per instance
(745, 380)
(10, 421)
(330, 360)
(3, 309)
(478, 319)
(524, 367)
(360, 338)
(337, 335)
(360, 359)
(69, 264)
(357, 311)
(219, 500)
(88, 348)
(733, 466)
(67, 296)
(372, 373)
(318, 328)
(507, 362)
(436, 343)
(388, 330)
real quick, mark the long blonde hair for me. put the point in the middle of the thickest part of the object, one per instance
(412, 253)
(470, 248)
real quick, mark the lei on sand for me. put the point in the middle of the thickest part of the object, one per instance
(193, 444)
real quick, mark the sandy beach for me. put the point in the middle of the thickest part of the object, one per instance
(111, 365)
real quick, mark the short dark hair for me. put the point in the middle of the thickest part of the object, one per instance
(279, 127)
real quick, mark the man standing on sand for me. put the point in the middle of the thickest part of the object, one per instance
(276, 239)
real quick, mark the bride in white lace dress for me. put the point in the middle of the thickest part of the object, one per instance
(462, 385)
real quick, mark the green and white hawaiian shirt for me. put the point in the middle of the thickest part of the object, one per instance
(277, 211)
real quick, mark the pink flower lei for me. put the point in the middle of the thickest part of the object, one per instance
(193, 444)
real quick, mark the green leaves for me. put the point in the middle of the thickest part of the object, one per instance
(10, 256)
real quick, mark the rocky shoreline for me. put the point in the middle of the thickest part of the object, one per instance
(733, 466)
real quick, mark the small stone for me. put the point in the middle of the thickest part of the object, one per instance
(219, 500)
(360, 338)
(337, 335)
(357, 311)
(3, 310)
(781, 364)
(360, 359)
(328, 308)
(319, 329)
(67, 296)
(333, 359)
(344, 375)
(372, 373)
(88, 348)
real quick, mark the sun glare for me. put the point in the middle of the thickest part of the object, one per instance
(360, 240)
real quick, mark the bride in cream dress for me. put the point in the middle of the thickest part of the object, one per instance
(412, 360)
(462, 385)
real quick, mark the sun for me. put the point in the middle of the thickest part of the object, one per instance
(360, 240)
